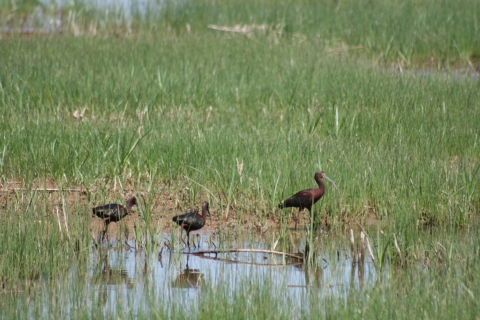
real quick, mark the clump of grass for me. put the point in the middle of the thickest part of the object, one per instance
(42, 239)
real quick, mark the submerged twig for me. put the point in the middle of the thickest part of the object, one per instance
(247, 250)
(160, 255)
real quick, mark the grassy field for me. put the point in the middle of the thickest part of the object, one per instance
(383, 96)
(186, 112)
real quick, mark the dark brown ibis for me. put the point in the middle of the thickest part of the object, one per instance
(306, 198)
(192, 221)
(113, 212)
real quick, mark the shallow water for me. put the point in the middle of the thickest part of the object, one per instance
(122, 280)
(185, 274)
(117, 281)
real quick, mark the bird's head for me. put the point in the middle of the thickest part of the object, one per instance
(321, 175)
(132, 201)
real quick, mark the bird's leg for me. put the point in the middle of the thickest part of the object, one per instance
(295, 218)
(105, 231)
(188, 240)
(181, 232)
(101, 237)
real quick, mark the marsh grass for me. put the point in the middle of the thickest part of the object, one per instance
(398, 143)
(177, 114)
(32, 236)
(432, 33)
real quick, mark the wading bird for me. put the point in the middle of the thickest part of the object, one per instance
(113, 212)
(306, 198)
(192, 221)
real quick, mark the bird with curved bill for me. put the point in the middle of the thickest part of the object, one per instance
(305, 199)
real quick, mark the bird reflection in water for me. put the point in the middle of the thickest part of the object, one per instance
(189, 278)
(110, 281)
(112, 276)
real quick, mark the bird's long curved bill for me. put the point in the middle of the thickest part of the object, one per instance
(330, 180)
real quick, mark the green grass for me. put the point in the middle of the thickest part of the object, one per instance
(143, 106)
(433, 33)
(184, 110)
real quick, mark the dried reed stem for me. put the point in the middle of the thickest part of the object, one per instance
(352, 244)
(398, 248)
(370, 250)
(58, 220)
(361, 252)
(42, 189)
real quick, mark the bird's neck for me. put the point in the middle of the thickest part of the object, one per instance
(320, 184)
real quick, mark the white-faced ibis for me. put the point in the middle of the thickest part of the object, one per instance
(113, 212)
(192, 221)
(306, 198)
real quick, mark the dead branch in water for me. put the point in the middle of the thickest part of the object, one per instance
(247, 250)
(271, 265)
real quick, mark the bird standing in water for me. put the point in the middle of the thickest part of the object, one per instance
(192, 221)
(113, 212)
(306, 198)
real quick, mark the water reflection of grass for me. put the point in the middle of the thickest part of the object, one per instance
(439, 280)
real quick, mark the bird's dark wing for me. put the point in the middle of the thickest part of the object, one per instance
(299, 200)
(107, 210)
(191, 221)
(184, 218)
